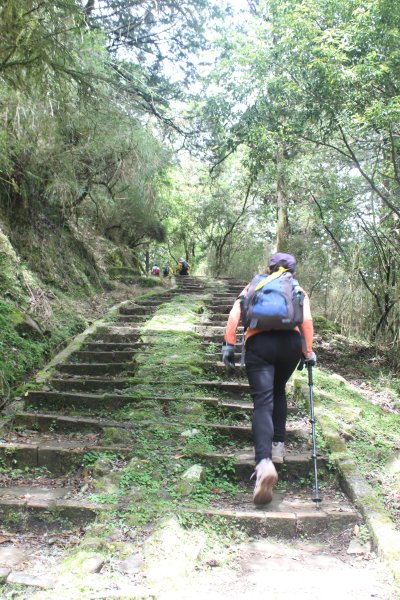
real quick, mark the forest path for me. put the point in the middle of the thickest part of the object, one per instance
(87, 423)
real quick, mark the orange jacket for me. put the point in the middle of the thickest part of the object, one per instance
(306, 328)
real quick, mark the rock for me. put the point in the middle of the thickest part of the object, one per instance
(29, 327)
(93, 564)
(171, 553)
(115, 536)
(189, 480)
(339, 379)
(194, 473)
(19, 578)
(189, 432)
(356, 546)
(131, 564)
(11, 557)
(108, 485)
(4, 573)
(13, 407)
(116, 435)
(101, 467)
(393, 465)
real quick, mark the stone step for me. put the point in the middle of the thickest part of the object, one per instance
(25, 508)
(218, 318)
(90, 384)
(225, 298)
(152, 302)
(233, 388)
(217, 339)
(55, 422)
(99, 356)
(93, 369)
(100, 346)
(101, 402)
(294, 431)
(58, 456)
(75, 401)
(216, 346)
(126, 335)
(133, 318)
(144, 309)
(219, 368)
(216, 331)
(220, 324)
(296, 465)
(220, 307)
(284, 518)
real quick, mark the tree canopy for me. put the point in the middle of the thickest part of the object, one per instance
(189, 128)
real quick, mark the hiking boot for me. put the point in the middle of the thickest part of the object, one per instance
(267, 478)
(278, 452)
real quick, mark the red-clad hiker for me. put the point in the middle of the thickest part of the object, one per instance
(278, 334)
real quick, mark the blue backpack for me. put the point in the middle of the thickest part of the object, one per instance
(273, 302)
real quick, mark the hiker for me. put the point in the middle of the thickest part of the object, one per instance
(183, 267)
(272, 352)
(167, 270)
(155, 270)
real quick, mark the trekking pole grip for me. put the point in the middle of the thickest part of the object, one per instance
(310, 374)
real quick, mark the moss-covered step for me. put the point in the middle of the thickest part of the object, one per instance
(218, 325)
(234, 389)
(91, 369)
(34, 508)
(218, 318)
(101, 346)
(139, 319)
(90, 384)
(144, 309)
(77, 401)
(216, 339)
(220, 307)
(214, 344)
(110, 356)
(55, 422)
(115, 333)
(152, 302)
(210, 330)
(224, 298)
(58, 456)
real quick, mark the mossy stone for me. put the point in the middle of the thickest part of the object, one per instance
(116, 435)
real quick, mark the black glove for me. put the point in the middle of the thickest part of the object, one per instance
(311, 361)
(228, 355)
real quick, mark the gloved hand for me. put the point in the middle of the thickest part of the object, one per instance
(307, 361)
(228, 355)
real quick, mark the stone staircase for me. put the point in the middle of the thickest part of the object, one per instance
(70, 420)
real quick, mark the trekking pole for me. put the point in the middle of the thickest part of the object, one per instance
(316, 499)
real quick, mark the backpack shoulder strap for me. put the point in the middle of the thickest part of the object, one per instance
(270, 278)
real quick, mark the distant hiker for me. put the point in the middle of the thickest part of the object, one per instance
(276, 315)
(183, 267)
(155, 270)
(167, 270)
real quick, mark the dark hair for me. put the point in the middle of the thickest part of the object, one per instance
(281, 263)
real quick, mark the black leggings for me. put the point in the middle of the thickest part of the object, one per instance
(271, 358)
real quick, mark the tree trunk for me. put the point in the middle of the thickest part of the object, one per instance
(282, 225)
